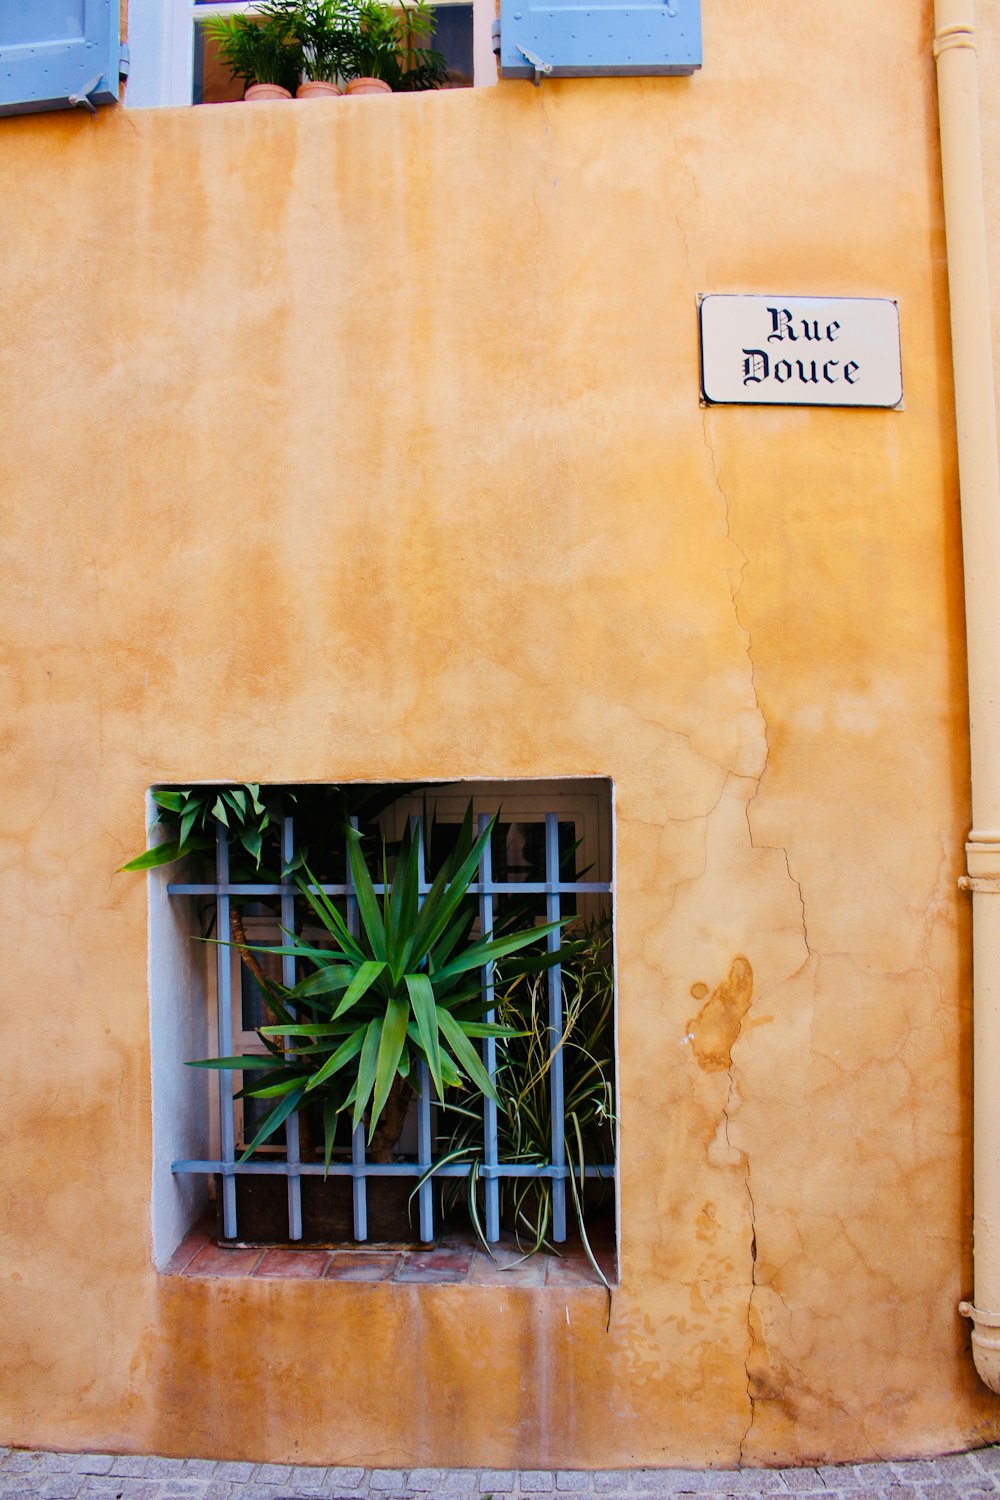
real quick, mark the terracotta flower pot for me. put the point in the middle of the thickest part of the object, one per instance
(317, 88)
(257, 92)
(368, 86)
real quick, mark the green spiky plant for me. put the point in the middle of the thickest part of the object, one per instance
(192, 816)
(407, 988)
(523, 1081)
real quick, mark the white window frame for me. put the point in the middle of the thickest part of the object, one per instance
(161, 50)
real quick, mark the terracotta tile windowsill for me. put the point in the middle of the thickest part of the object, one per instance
(448, 1264)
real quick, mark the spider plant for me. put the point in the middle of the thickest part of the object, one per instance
(406, 988)
(523, 1081)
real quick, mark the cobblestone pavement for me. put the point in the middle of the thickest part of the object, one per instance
(104, 1476)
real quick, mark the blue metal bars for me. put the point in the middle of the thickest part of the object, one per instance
(418, 1164)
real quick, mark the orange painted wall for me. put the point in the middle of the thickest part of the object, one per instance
(362, 440)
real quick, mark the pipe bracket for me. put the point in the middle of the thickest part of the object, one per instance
(954, 36)
(986, 1319)
(979, 883)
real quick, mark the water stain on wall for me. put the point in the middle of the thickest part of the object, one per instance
(714, 1030)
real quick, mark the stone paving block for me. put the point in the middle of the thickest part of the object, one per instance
(274, 1473)
(759, 1482)
(838, 1477)
(308, 1479)
(60, 1487)
(536, 1481)
(608, 1481)
(914, 1471)
(139, 1489)
(957, 1467)
(341, 1479)
(800, 1479)
(988, 1458)
(497, 1481)
(572, 1479)
(20, 1462)
(58, 1463)
(236, 1473)
(129, 1467)
(938, 1491)
(199, 1468)
(218, 1489)
(169, 1468)
(425, 1480)
(95, 1463)
(387, 1479)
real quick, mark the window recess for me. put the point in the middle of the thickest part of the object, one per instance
(548, 858)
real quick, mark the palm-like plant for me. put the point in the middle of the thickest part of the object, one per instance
(388, 44)
(259, 47)
(407, 988)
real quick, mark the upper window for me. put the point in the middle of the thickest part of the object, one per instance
(173, 61)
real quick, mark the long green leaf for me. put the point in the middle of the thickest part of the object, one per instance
(274, 1119)
(574, 1167)
(368, 907)
(432, 923)
(366, 1070)
(238, 1064)
(172, 801)
(354, 1044)
(465, 1052)
(325, 981)
(163, 854)
(405, 903)
(421, 993)
(362, 982)
(483, 953)
(397, 1013)
(328, 914)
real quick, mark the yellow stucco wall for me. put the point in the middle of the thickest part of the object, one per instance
(362, 440)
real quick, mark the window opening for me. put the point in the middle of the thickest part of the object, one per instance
(548, 859)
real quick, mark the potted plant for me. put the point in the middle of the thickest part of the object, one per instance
(388, 54)
(323, 31)
(259, 47)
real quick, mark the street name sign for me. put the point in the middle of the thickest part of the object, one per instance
(800, 351)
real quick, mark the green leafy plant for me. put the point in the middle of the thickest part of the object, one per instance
(389, 43)
(259, 47)
(406, 988)
(192, 816)
(523, 1081)
(324, 30)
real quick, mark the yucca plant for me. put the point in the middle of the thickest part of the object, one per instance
(408, 987)
(523, 1081)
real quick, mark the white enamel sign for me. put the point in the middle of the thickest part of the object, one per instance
(800, 351)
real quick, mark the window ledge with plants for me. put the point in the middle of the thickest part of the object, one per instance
(413, 1036)
(316, 48)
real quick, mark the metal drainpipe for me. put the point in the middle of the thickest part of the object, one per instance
(979, 484)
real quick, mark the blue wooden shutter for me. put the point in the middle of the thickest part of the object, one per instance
(57, 53)
(570, 39)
